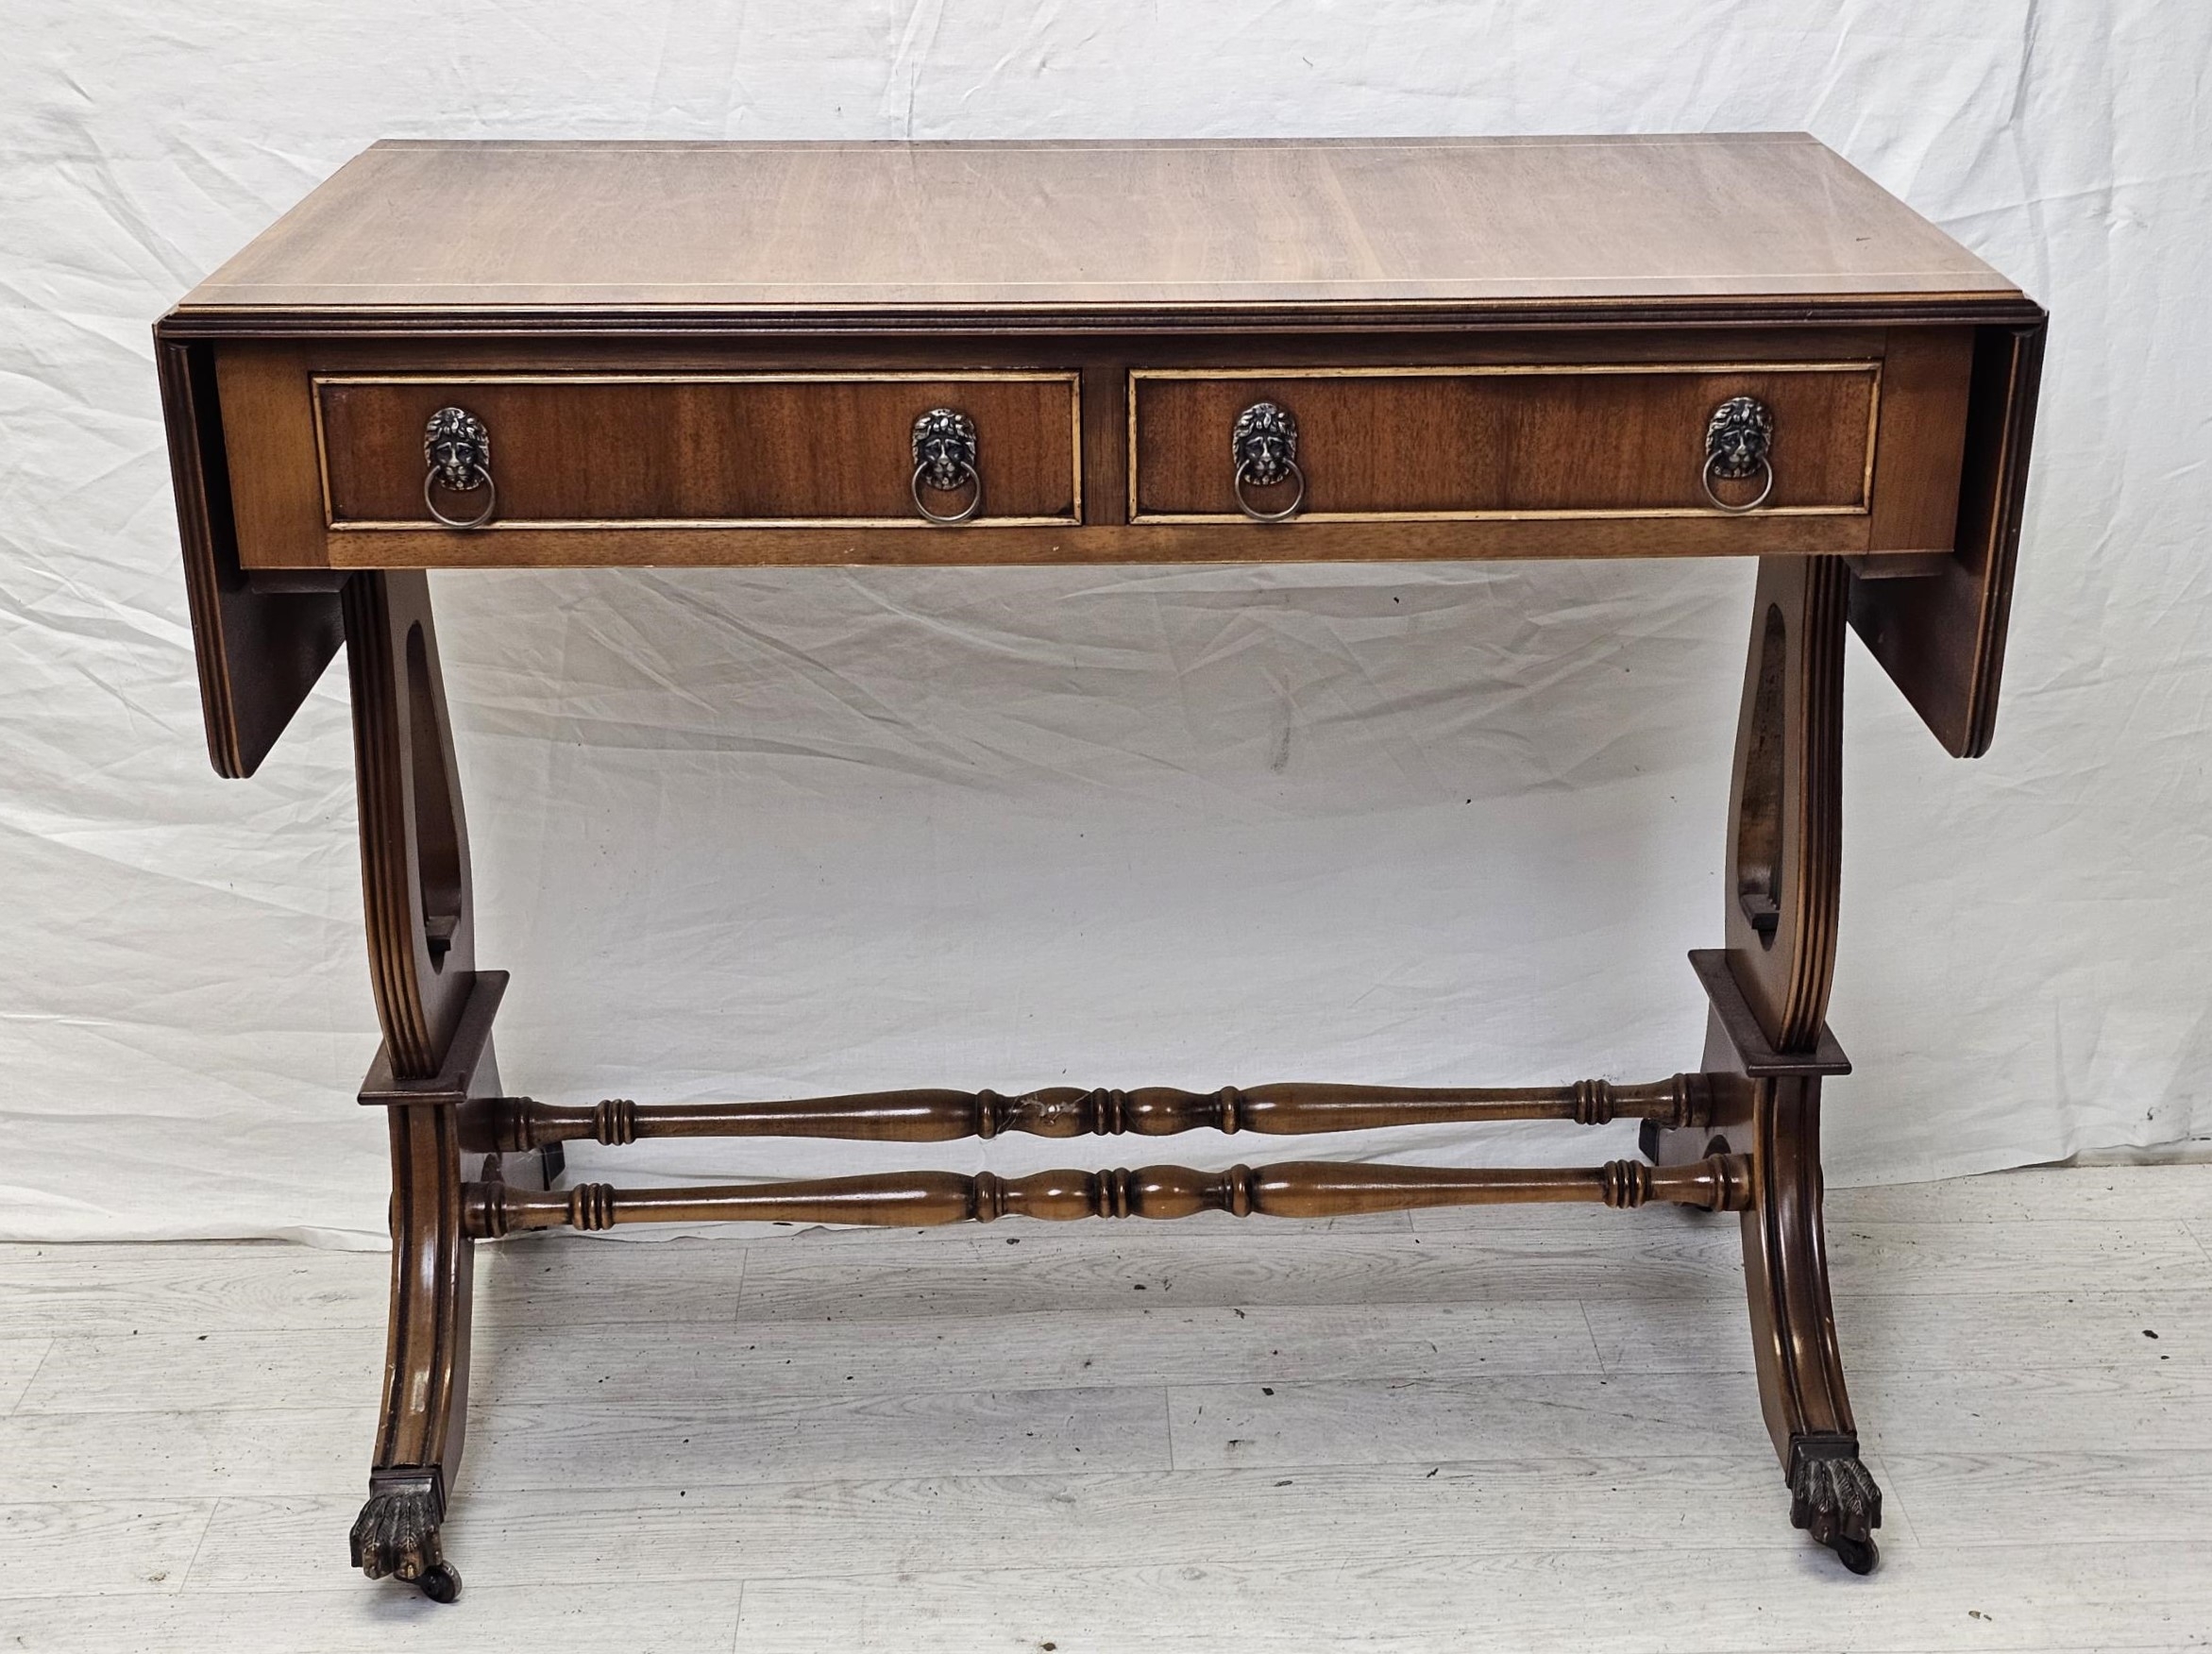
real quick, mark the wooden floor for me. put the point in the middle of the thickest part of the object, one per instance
(1473, 1430)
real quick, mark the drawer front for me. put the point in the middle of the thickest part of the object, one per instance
(1553, 440)
(587, 451)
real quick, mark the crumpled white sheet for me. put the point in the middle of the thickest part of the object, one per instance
(744, 834)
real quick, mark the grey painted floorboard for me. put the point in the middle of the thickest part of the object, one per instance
(1523, 1431)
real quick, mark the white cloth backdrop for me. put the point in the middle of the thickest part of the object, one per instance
(763, 834)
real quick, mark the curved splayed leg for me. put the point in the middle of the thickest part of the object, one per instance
(417, 901)
(1769, 991)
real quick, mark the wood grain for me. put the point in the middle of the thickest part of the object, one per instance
(938, 1114)
(258, 653)
(99, 1290)
(1924, 1332)
(1439, 1514)
(1943, 644)
(1014, 546)
(1431, 251)
(2045, 1594)
(1290, 1189)
(1785, 805)
(2074, 1194)
(918, 1432)
(20, 1360)
(312, 1450)
(100, 1546)
(654, 449)
(326, 471)
(1443, 1419)
(1920, 439)
(1593, 439)
(619, 1365)
(1494, 348)
(2073, 1408)
(737, 228)
(625, 1619)
(1465, 1419)
(309, 1451)
(105, 1457)
(2123, 1495)
(1660, 1255)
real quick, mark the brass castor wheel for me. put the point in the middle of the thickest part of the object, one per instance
(441, 1582)
(1858, 1554)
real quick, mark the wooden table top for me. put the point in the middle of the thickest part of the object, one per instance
(1133, 232)
(1688, 268)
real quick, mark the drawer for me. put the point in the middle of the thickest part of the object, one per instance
(1538, 441)
(672, 450)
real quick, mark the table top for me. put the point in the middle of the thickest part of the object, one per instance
(1144, 230)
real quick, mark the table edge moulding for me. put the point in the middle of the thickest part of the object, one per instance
(545, 355)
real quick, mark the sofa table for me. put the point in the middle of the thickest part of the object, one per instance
(501, 355)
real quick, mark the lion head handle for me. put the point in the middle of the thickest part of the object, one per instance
(457, 448)
(1740, 437)
(1264, 443)
(944, 449)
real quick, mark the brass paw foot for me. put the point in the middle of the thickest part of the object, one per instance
(1833, 1497)
(396, 1534)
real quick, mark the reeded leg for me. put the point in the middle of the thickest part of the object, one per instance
(1793, 1328)
(1769, 1002)
(417, 901)
(426, 1369)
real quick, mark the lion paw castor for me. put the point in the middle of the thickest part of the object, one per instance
(1834, 1498)
(396, 1536)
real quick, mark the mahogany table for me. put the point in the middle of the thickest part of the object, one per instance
(540, 355)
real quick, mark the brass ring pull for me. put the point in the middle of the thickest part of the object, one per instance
(1739, 442)
(944, 461)
(964, 476)
(1263, 446)
(478, 478)
(1288, 511)
(1706, 477)
(458, 451)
